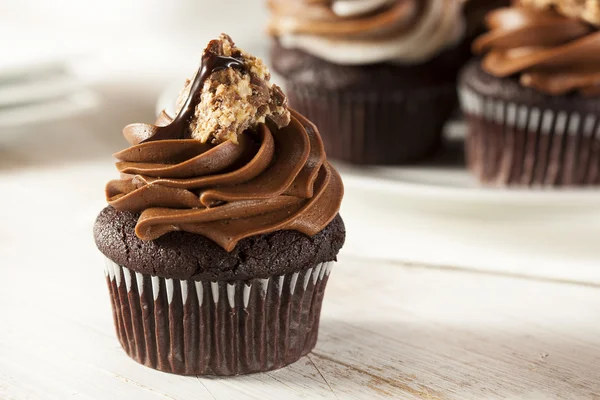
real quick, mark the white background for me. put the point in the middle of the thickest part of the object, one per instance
(426, 330)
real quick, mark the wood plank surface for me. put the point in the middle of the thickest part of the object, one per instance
(388, 331)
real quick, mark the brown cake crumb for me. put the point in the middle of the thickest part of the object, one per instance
(587, 10)
(234, 100)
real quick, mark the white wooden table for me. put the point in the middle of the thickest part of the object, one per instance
(388, 330)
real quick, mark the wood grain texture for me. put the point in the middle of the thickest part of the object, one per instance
(387, 330)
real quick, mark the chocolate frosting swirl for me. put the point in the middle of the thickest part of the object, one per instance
(274, 179)
(271, 176)
(552, 53)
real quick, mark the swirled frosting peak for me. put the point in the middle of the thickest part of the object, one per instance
(273, 176)
(549, 51)
(358, 32)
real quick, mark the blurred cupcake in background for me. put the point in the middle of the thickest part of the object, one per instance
(377, 76)
(533, 99)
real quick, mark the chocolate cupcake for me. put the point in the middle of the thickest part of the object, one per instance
(377, 76)
(533, 100)
(222, 231)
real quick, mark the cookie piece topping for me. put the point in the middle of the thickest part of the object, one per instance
(234, 99)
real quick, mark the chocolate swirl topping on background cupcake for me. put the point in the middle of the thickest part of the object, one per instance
(234, 162)
(554, 45)
(368, 31)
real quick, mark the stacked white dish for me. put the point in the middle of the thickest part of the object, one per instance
(37, 82)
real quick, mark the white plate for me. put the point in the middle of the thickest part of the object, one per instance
(442, 188)
(445, 184)
(44, 87)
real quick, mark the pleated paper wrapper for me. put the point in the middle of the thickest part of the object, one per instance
(523, 145)
(377, 127)
(222, 328)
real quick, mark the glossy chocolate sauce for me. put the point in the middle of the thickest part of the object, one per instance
(179, 128)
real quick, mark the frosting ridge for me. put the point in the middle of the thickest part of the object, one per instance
(274, 179)
(552, 53)
(268, 172)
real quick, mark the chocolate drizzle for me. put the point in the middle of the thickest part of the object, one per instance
(179, 127)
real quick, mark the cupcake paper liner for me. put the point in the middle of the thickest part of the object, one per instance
(519, 144)
(376, 127)
(192, 327)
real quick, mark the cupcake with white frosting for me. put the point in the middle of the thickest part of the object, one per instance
(378, 76)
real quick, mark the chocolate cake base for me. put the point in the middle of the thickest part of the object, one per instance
(183, 255)
(373, 114)
(518, 136)
(377, 127)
